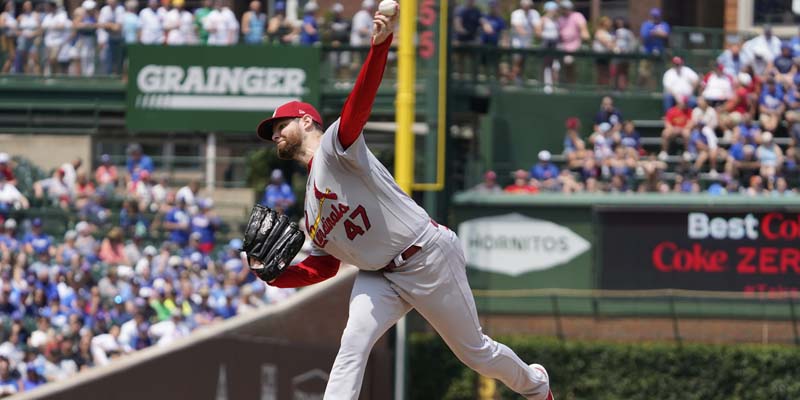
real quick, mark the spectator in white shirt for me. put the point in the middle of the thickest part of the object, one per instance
(188, 194)
(152, 28)
(214, 24)
(765, 45)
(105, 345)
(679, 81)
(10, 197)
(717, 86)
(231, 23)
(57, 28)
(524, 21)
(179, 25)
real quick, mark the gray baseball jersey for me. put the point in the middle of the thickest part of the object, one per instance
(354, 209)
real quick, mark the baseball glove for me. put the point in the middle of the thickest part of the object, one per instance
(271, 240)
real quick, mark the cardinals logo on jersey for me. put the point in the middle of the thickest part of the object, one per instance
(323, 225)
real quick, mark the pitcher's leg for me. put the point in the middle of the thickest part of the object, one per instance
(451, 311)
(374, 307)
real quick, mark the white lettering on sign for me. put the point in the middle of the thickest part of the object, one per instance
(700, 226)
(514, 244)
(165, 79)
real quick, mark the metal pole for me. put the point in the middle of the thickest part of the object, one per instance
(211, 161)
(404, 151)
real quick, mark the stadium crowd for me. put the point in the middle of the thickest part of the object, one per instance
(137, 267)
(735, 129)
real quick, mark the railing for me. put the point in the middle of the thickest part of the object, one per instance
(582, 69)
(677, 306)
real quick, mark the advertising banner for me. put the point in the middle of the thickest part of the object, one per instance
(216, 89)
(514, 244)
(700, 249)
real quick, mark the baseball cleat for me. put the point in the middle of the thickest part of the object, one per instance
(544, 371)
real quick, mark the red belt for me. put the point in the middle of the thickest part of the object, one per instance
(408, 252)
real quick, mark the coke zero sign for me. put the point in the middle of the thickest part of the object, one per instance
(748, 251)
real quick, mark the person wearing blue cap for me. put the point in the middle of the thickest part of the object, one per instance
(279, 29)
(278, 195)
(654, 33)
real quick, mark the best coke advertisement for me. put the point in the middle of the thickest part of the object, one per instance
(743, 251)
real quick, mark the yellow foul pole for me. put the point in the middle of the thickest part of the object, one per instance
(406, 99)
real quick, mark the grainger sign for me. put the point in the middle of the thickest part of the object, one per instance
(222, 89)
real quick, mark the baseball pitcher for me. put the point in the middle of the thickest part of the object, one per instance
(356, 213)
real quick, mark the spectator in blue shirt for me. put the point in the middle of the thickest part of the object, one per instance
(278, 195)
(177, 222)
(654, 33)
(492, 25)
(206, 224)
(137, 161)
(770, 104)
(545, 173)
(36, 241)
(309, 34)
(630, 138)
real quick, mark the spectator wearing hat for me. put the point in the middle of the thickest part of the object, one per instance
(489, 184)
(106, 174)
(54, 188)
(677, 123)
(572, 32)
(654, 33)
(547, 31)
(783, 66)
(278, 195)
(6, 169)
(138, 161)
(36, 241)
(717, 86)
(603, 140)
(309, 30)
(544, 174)
(521, 184)
(279, 29)
(179, 25)
(679, 81)
(205, 223)
(253, 23)
(84, 22)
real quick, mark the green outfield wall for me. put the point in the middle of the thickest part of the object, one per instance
(624, 245)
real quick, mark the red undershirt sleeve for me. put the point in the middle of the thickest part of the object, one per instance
(358, 105)
(313, 269)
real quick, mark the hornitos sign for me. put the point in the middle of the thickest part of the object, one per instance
(205, 88)
(514, 244)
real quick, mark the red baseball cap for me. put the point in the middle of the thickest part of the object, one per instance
(292, 109)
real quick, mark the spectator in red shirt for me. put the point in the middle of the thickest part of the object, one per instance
(6, 170)
(84, 190)
(521, 184)
(676, 123)
(112, 250)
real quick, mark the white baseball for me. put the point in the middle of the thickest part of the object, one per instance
(387, 7)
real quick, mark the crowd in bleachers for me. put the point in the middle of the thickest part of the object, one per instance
(135, 266)
(735, 129)
(45, 38)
